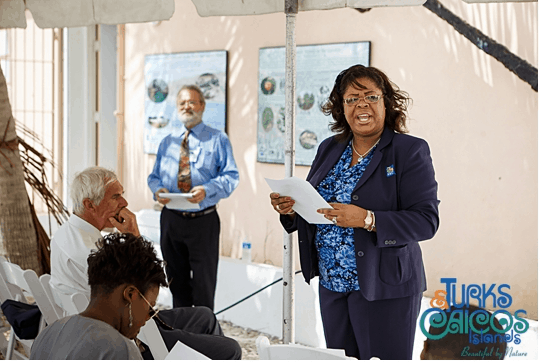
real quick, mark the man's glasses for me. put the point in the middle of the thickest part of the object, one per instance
(368, 99)
(188, 103)
(153, 311)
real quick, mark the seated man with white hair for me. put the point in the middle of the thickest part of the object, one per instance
(98, 203)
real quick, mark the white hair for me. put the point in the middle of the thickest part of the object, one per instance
(192, 87)
(90, 184)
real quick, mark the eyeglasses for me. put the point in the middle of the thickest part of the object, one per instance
(189, 103)
(152, 312)
(368, 99)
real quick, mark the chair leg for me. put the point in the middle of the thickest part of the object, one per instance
(11, 344)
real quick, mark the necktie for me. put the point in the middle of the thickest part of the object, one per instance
(184, 172)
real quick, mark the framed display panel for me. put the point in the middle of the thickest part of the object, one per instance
(317, 67)
(165, 74)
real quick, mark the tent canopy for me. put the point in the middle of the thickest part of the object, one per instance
(257, 7)
(75, 13)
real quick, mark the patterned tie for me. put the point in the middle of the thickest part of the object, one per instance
(184, 172)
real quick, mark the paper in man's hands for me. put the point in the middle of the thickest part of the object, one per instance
(179, 201)
(306, 199)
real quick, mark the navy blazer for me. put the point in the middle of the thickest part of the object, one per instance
(399, 186)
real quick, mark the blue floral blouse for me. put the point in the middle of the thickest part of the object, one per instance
(335, 244)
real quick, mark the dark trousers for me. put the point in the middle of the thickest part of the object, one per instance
(190, 246)
(381, 328)
(199, 329)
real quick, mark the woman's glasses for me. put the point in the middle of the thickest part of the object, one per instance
(153, 311)
(368, 99)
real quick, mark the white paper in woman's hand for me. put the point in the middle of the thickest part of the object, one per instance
(306, 199)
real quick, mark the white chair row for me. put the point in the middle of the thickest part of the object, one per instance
(18, 284)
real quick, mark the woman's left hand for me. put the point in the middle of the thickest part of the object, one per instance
(345, 215)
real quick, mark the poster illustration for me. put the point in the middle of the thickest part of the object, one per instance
(316, 67)
(165, 74)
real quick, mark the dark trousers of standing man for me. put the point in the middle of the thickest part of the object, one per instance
(191, 244)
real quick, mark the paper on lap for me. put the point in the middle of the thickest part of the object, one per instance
(307, 199)
(182, 352)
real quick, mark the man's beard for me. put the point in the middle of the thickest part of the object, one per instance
(190, 120)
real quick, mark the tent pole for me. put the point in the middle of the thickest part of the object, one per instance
(291, 9)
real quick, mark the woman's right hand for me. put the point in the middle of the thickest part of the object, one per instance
(283, 205)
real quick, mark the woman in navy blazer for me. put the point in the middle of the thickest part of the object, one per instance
(382, 189)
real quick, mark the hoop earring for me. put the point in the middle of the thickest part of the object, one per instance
(130, 317)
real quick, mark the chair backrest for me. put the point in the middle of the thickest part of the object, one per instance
(5, 291)
(296, 352)
(150, 335)
(74, 304)
(13, 281)
(14, 285)
(45, 280)
(47, 306)
(79, 302)
(23, 283)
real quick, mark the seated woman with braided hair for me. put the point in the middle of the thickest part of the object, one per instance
(124, 275)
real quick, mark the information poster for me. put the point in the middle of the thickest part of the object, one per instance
(317, 67)
(165, 74)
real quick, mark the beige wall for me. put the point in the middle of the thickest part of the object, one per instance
(479, 119)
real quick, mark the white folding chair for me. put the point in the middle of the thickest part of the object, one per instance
(17, 284)
(4, 294)
(295, 352)
(74, 304)
(45, 280)
(51, 312)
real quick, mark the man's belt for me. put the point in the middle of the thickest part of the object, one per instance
(198, 213)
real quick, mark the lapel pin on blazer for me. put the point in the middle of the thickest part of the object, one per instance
(390, 171)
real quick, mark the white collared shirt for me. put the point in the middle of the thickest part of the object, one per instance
(70, 247)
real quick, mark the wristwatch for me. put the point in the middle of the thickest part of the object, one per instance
(368, 220)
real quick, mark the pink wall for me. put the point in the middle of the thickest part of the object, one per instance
(479, 119)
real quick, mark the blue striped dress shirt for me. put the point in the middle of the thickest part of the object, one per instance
(211, 161)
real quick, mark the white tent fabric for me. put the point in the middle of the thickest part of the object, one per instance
(257, 7)
(75, 13)
(12, 14)
(499, 1)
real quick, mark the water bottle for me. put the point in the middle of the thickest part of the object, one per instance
(246, 251)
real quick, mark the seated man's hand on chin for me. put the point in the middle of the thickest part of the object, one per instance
(128, 223)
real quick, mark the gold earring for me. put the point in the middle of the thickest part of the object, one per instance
(130, 317)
